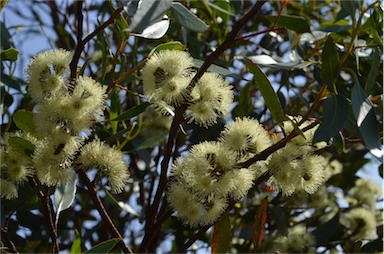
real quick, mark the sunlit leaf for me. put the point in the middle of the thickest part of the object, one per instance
(366, 119)
(104, 247)
(267, 61)
(65, 195)
(126, 207)
(269, 95)
(148, 13)
(221, 234)
(10, 54)
(187, 18)
(330, 68)
(156, 30)
(76, 245)
(335, 113)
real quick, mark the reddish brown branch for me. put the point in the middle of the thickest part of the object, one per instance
(259, 32)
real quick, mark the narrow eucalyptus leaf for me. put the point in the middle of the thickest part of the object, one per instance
(330, 68)
(335, 113)
(134, 111)
(187, 19)
(266, 89)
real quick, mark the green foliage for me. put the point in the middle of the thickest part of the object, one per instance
(311, 59)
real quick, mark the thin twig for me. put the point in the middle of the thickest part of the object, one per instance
(82, 43)
(259, 32)
(7, 242)
(48, 213)
(193, 239)
(52, 229)
(101, 209)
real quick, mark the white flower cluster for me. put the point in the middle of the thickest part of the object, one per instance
(361, 219)
(166, 76)
(295, 166)
(209, 174)
(298, 240)
(59, 119)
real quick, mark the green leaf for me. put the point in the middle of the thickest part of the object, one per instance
(187, 18)
(221, 234)
(213, 68)
(6, 38)
(172, 45)
(335, 113)
(6, 98)
(339, 142)
(335, 27)
(269, 95)
(245, 106)
(13, 82)
(104, 247)
(10, 54)
(114, 110)
(149, 12)
(365, 118)
(151, 142)
(326, 231)
(221, 7)
(350, 7)
(25, 122)
(330, 68)
(22, 146)
(134, 111)
(122, 26)
(76, 245)
(295, 23)
(371, 80)
(279, 218)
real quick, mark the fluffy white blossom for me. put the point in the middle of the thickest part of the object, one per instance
(108, 160)
(48, 73)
